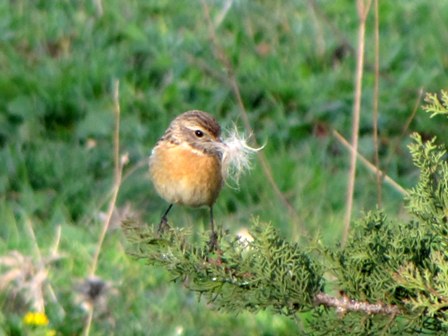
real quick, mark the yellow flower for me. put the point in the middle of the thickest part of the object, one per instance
(50, 332)
(35, 319)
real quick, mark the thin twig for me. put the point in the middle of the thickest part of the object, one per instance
(344, 304)
(57, 240)
(36, 248)
(375, 106)
(53, 255)
(40, 303)
(118, 170)
(86, 331)
(363, 9)
(384, 177)
(232, 80)
(414, 112)
(396, 142)
(43, 266)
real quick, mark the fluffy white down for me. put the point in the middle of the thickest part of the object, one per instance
(236, 156)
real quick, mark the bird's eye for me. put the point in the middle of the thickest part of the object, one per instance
(199, 133)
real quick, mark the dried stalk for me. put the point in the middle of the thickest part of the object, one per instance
(384, 177)
(375, 106)
(118, 170)
(363, 10)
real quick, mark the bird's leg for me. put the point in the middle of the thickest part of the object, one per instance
(213, 242)
(164, 220)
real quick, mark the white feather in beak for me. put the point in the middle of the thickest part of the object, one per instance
(236, 155)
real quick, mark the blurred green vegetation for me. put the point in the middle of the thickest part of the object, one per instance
(294, 62)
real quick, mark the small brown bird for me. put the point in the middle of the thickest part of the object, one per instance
(186, 164)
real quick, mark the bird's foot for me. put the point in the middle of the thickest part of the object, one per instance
(163, 226)
(213, 242)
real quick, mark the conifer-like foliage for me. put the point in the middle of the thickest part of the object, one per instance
(390, 277)
(436, 103)
(267, 272)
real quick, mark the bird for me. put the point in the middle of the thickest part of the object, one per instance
(186, 165)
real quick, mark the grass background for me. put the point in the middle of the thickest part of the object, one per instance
(294, 62)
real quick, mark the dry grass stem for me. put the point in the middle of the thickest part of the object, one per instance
(384, 177)
(404, 131)
(41, 284)
(89, 320)
(119, 162)
(27, 276)
(24, 277)
(54, 255)
(414, 112)
(363, 9)
(375, 105)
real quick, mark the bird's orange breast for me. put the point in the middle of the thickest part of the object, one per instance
(182, 175)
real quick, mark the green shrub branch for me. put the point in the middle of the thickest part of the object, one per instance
(391, 277)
